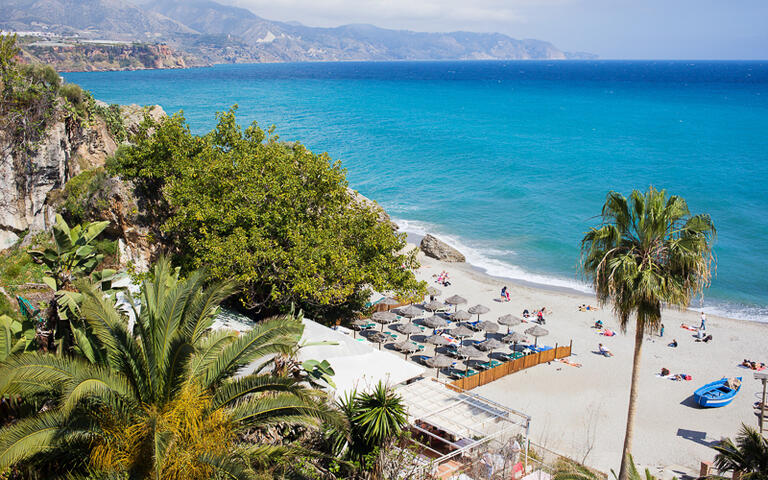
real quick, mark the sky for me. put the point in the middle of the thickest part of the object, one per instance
(626, 29)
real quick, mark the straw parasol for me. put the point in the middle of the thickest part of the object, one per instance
(509, 320)
(438, 362)
(437, 340)
(406, 347)
(462, 331)
(389, 302)
(434, 321)
(536, 332)
(359, 323)
(478, 310)
(433, 291)
(434, 306)
(409, 329)
(514, 338)
(490, 345)
(378, 337)
(455, 300)
(383, 318)
(461, 316)
(470, 352)
(488, 327)
(410, 311)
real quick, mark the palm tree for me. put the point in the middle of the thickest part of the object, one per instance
(168, 402)
(375, 419)
(648, 251)
(748, 455)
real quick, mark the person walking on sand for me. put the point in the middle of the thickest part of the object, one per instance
(504, 293)
(703, 325)
(661, 332)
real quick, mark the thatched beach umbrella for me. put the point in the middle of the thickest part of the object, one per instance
(478, 310)
(389, 302)
(514, 338)
(462, 331)
(435, 292)
(406, 347)
(455, 300)
(469, 352)
(536, 332)
(490, 345)
(359, 323)
(437, 340)
(434, 306)
(409, 329)
(434, 321)
(509, 320)
(438, 362)
(488, 327)
(383, 318)
(410, 311)
(378, 337)
(461, 316)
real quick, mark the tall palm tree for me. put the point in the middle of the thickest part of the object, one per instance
(748, 455)
(648, 251)
(168, 402)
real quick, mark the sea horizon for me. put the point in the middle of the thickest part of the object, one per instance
(510, 161)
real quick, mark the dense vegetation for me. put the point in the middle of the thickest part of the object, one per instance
(274, 216)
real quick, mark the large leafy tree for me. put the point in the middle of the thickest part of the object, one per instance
(272, 215)
(748, 455)
(647, 252)
(167, 402)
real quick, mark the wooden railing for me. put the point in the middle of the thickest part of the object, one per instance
(507, 368)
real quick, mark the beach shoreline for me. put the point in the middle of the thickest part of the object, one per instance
(580, 412)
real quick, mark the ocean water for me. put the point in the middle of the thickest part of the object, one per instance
(511, 161)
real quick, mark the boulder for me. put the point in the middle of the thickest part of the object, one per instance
(432, 247)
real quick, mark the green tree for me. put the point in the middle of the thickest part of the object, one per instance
(648, 251)
(274, 216)
(375, 420)
(748, 455)
(167, 403)
(15, 336)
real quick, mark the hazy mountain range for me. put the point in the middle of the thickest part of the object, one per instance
(217, 33)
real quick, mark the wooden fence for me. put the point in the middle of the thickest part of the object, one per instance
(507, 368)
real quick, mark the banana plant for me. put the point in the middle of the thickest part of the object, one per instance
(72, 258)
(15, 336)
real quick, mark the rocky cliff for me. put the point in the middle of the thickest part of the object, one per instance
(66, 149)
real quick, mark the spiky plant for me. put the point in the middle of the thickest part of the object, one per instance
(167, 402)
(649, 251)
(748, 455)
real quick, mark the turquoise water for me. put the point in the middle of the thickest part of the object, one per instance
(511, 161)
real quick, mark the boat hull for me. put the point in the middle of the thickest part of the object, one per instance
(716, 394)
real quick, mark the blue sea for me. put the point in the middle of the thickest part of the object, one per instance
(510, 161)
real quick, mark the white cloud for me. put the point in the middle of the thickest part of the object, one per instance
(422, 15)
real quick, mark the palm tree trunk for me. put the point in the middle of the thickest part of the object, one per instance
(627, 451)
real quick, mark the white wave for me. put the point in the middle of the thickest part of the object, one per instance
(483, 258)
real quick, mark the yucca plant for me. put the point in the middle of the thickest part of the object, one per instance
(167, 402)
(648, 252)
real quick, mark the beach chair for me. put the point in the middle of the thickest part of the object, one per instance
(471, 372)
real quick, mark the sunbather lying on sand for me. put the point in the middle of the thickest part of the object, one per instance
(604, 351)
(753, 365)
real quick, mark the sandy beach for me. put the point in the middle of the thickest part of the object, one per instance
(580, 412)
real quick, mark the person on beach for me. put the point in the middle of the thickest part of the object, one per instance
(504, 294)
(664, 372)
(661, 331)
(703, 325)
(673, 344)
(604, 351)
(525, 313)
(540, 318)
(599, 324)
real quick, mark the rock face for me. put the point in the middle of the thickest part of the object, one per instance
(64, 151)
(432, 247)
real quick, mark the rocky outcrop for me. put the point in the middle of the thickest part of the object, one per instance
(432, 247)
(359, 198)
(65, 150)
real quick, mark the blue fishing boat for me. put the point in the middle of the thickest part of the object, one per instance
(718, 393)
